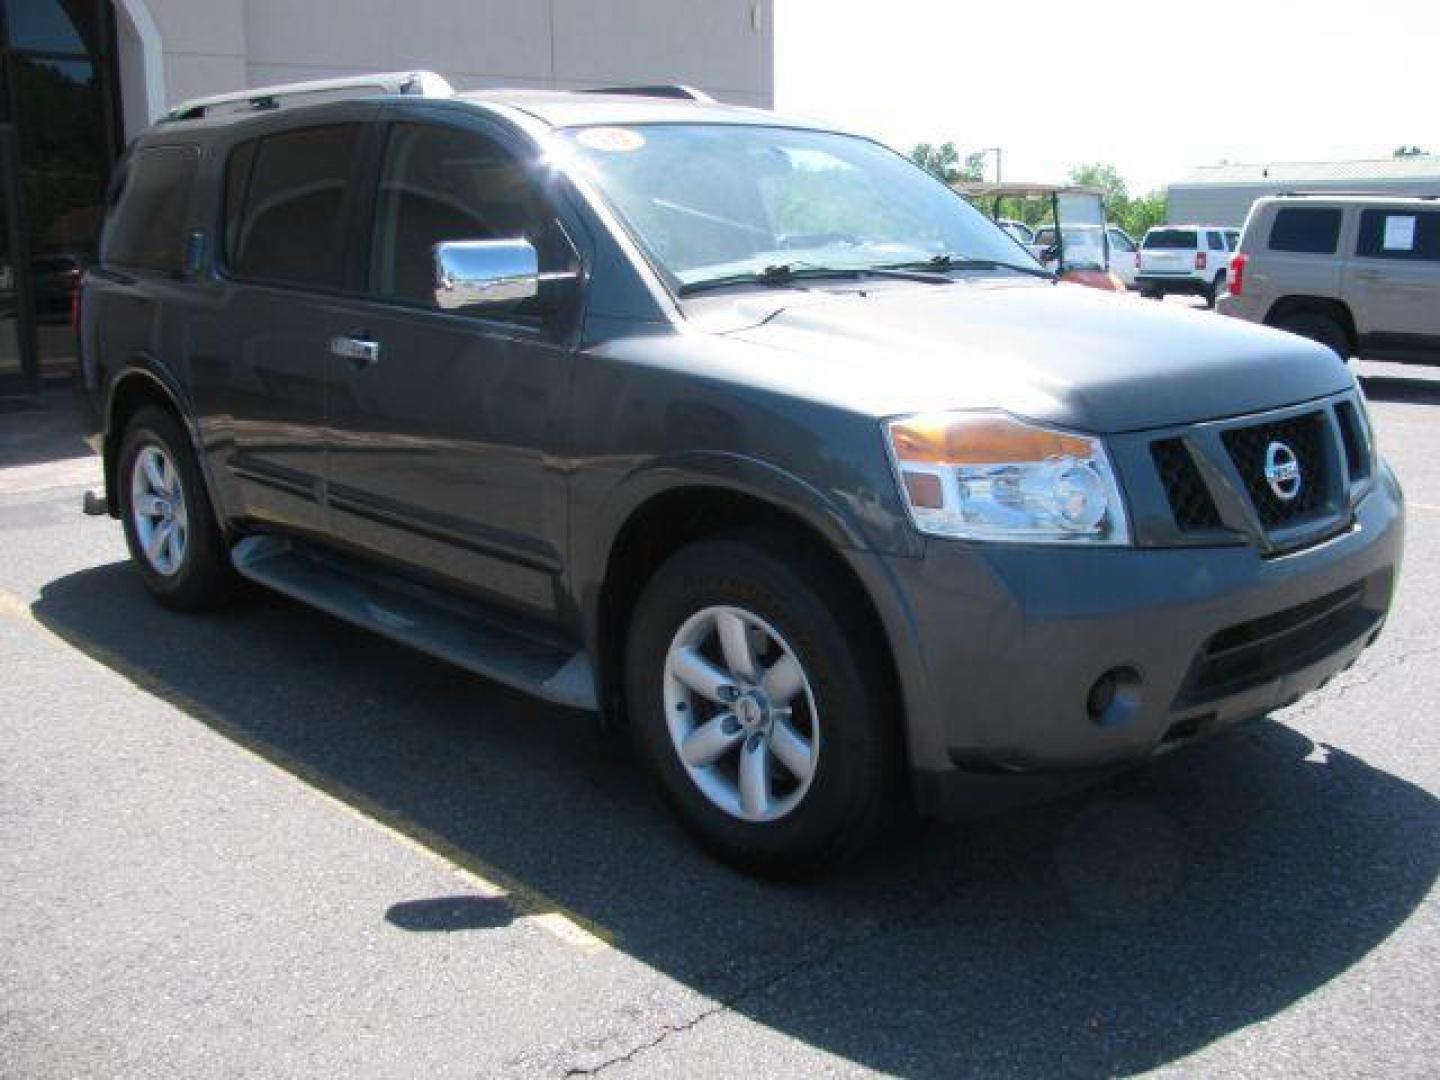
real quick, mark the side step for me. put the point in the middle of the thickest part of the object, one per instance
(421, 618)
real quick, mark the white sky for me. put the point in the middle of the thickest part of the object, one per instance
(1153, 87)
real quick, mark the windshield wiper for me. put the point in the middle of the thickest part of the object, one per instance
(779, 274)
(948, 261)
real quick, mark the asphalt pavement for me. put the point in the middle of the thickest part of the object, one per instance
(264, 843)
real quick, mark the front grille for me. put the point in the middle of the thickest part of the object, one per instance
(1261, 650)
(1305, 435)
(1357, 457)
(1190, 499)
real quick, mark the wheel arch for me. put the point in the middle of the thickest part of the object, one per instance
(661, 517)
(1328, 306)
(135, 387)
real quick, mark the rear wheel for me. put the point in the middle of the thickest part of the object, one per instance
(1317, 327)
(1151, 294)
(758, 701)
(1216, 288)
(169, 525)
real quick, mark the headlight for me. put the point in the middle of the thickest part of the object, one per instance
(988, 476)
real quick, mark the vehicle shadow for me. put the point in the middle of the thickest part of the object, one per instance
(1414, 391)
(1109, 933)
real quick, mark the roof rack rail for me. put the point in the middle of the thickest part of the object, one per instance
(658, 90)
(412, 83)
(1372, 193)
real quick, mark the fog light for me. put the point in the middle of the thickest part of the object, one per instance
(1101, 696)
(1114, 697)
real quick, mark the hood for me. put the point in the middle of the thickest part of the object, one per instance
(1061, 354)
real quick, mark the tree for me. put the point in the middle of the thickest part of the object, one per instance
(1408, 151)
(1134, 215)
(1105, 178)
(944, 162)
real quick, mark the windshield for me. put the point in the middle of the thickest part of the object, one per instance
(708, 201)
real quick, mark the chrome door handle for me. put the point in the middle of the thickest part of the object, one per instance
(362, 350)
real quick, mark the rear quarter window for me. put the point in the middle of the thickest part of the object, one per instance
(1399, 234)
(1170, 238)
(146, 228)
(1311, 230)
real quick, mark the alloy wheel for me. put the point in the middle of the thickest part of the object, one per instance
(741, 713)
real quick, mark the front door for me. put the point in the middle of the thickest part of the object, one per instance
(448, 430)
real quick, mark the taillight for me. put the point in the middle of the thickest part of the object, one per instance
(1237, 274)
(1199, 260)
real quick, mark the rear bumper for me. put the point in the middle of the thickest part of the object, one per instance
(1014, 641)
(1177, 284)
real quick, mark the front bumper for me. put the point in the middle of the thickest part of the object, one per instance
(1012, 640)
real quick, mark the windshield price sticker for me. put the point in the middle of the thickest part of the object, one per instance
(1400, 232)
(612, 140)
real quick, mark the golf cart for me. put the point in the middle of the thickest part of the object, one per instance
(1079, 247)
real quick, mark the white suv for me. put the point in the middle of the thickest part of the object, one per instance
(1192, 259)
(1359, 273)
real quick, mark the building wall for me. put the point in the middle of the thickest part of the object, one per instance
(724, 47)
(1228, 204)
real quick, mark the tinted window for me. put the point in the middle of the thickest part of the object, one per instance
(147, 227)
(290, 228)
(1216, 241)
(1120, 242)
(1312, 230)
(443, 184)
(1170, 238)
(1232, 238)
(1400, 234)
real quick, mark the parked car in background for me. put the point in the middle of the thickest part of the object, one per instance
(747, 434)
(1358, 273)
(1191, 260)
(1018, 229)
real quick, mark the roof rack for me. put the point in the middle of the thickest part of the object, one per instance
(411, 83)
(1371, 194)
(659, 90)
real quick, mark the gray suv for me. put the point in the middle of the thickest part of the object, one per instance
(749, 436)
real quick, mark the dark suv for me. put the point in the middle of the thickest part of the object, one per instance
(746, 433)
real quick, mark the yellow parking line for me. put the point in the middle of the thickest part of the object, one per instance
(543, 911)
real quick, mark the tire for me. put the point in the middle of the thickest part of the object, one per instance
(187, 564)
(1151, 294)
(842, 709)
(1320, 328)
(1216, 288)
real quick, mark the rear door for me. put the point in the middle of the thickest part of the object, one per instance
(447, 452)
(260, 370)
(1169, 252)
(1394, 280)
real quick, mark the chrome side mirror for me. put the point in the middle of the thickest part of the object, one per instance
(476, 273)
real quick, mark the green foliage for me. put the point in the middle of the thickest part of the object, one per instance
(1134, 215)
(944, 162)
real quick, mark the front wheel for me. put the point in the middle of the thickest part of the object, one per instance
(169, 525)
(1319, 328)
(756, 697)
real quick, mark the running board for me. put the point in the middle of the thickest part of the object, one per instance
(421, 618)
